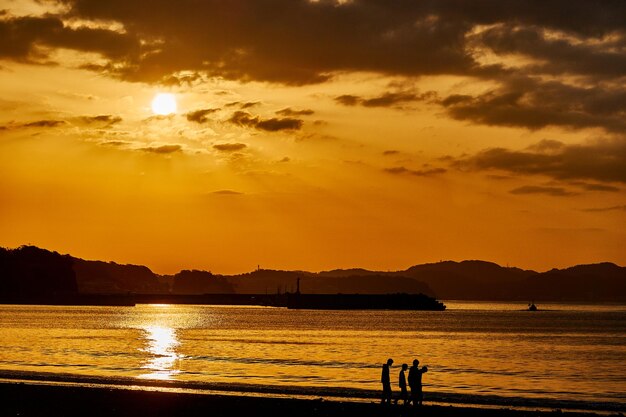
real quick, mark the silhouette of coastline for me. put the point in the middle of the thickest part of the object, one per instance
(32, 275)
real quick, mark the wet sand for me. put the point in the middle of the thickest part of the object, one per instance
(30, 400)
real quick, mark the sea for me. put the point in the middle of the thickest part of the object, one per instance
(568, 356)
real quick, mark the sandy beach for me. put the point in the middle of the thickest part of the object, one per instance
(34, 400)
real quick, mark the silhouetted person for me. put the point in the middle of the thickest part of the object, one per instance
(404, 395)
(384, 378)
(415, 382)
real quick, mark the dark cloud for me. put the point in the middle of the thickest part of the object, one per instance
(348, 100)
(292, 112)
(388, 99)
(243, 105)
(537, 189)
(200, 116)
(391, 152)
(103, 119)
(532, 104)
(400, 170)
(595, 187)
(601, 160)
(44, 123)
(301, 41)
(163, 149)
(297, 42)
(189, 78)
(273, 124)
(546, 145)
(21, 39)
(34, 124)
(603, 209)
(116, 143)
(230, 147)
(292, 42)
(557, 56)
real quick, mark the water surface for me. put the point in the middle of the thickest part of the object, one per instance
(565, 352)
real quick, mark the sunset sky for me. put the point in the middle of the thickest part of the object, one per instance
(315, 134)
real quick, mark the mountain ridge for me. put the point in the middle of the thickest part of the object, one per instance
(48, 271)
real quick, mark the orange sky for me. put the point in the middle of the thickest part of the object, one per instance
(314, 135)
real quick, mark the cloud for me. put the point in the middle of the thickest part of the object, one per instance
(34, 124)
(229, 147)
(116, 143)
(533, 104)
(400, 170)
(388, 99)
(348, 100)
(182, 78)
(21, 39)
(103, 119)
(301, 42)
(227, 192)
(556, 55)
(595, 187)
(243, 105)
(536, 189)
(200, 116)
(273, 124)
(604, 209)
(600, 160)
(291, 112)
(281, 40)
(391, 152)
(163, 149)
(44, 123)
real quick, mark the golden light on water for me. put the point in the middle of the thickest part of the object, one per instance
(162, 343)
(164, 104)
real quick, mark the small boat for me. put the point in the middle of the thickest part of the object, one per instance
(532, 307)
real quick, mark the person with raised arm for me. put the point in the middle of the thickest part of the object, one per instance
(415, 382)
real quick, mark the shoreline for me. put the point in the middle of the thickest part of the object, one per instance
(300, 393)
(33, 400)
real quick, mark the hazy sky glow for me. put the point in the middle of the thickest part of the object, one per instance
(315, 134)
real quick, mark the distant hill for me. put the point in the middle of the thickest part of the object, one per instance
(603, 281)
(112, 278)
(32, 272)
(29, 270)
(470, 280)
(200, 282)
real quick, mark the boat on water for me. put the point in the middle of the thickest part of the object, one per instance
(532, 307)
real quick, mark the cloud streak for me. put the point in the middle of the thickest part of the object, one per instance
(163, 149)
(245, 119)
(427, 172)
(229, 147)
(601, 160)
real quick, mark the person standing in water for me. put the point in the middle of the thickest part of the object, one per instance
(415, 382)
(386, 381)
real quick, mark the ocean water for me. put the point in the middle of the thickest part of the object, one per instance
(564, 353)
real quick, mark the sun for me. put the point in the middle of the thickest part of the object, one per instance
(164, 104)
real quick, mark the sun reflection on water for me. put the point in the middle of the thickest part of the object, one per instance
(161, 346)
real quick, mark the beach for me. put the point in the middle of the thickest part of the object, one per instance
(51, 400)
